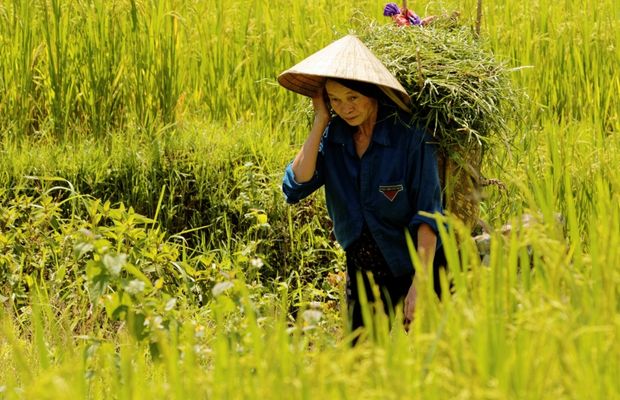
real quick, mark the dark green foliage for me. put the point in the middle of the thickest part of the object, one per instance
(232, 225)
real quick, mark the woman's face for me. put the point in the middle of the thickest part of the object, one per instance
(351, 106)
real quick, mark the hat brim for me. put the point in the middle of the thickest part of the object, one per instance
(347, 58)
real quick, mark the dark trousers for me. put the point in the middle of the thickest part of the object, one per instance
(391, 293)
(391, 290)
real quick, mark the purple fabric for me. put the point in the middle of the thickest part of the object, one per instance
(391, 9)
(414, 20)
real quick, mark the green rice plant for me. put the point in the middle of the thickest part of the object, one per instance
(482, 341)
(539, 320)
(103, 67)
(144, 64)
(489, 339)
(17, 78)
(159, 61)
(153, 44)
(571, 48)
(57, 85)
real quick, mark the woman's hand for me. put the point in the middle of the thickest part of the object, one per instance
(321, 112)
(410, 305)
(427, 242)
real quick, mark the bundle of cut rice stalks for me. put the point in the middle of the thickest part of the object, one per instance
(459, 92)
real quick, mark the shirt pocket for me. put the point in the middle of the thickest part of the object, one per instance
(392, 202)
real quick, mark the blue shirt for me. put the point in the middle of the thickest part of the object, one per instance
(386, 188)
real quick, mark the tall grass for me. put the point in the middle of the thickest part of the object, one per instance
(507, 331)
(17, 73)
(99, 67)
(172, 107)
(571, 48)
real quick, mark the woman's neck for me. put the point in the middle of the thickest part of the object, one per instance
(367, 127)
(363, 136)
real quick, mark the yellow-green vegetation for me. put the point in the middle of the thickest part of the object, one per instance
(146, 250)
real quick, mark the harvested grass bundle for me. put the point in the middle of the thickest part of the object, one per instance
(459, 91)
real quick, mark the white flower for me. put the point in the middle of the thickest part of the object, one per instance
(135, 286)
(221, 287)
(312, 317)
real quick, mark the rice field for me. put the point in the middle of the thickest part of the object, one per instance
(146, 250)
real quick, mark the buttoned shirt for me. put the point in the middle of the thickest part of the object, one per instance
(387, 188)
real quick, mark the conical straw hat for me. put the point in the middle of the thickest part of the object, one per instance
(346, 58)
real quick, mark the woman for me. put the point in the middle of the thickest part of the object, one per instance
(378, 172)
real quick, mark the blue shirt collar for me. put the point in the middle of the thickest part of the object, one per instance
(341, 132)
